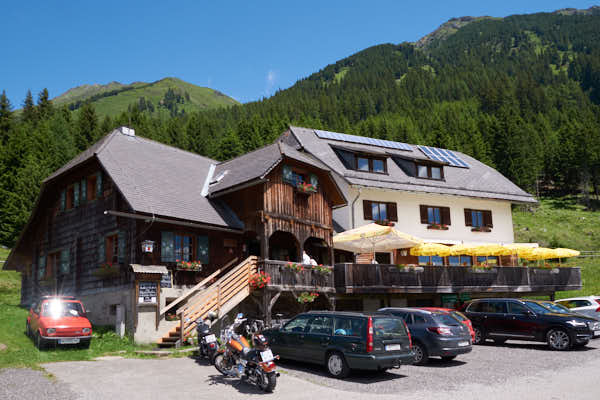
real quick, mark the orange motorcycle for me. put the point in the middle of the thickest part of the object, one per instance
(236, 357)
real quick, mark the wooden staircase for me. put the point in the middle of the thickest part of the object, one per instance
(221, 297)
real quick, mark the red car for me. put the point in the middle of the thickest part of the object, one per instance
(456, 314)
(58, 320)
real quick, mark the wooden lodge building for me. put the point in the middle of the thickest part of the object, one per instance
(154, 237)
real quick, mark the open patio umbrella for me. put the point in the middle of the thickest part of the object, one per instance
(518, 249)
(373, 238)
(460, 249)
(430, 249)
(565, 253)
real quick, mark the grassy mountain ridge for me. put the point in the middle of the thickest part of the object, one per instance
(113, 98)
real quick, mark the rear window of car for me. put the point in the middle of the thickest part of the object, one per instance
(445, 319)
(388, 328)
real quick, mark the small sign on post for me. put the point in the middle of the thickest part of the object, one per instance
(148, 292)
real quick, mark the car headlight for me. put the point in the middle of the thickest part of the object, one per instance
(575, 323)
(51, 331)
(85, 330)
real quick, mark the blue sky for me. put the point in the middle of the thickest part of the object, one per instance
(245, 49)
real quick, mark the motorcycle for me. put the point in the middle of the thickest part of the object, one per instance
(207, 341)
(236, 357)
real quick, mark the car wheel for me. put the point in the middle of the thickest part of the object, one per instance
(499, 341)
(448, 358)
(558, 339)
(336, 365)
(421, 354)
(479, 336)
(40, 343)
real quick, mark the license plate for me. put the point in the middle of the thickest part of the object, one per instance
(68, 341)
(463, 344)
(266, 355)
(210, 338)
(393, 347)
(596, 333)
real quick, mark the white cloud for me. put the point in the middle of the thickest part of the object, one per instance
(271, 79)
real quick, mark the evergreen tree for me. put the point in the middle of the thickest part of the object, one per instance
(44, 105)
(29, 111)
(6, 117)
(87, 127)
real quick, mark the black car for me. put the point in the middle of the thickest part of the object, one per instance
(343, 341)
(531, 320)
(434, 333)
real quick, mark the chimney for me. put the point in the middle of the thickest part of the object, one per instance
(127, 131)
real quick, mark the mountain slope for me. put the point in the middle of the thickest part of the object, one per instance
(168, 95)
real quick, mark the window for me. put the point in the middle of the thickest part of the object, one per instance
(478, 219)
(496, 307)
(383, 258)
(70, 197)
(51, 263)
(378, 166)
(297, 324)
(378, 211)
(298, 178)
(91, 187)
(112, 249)
(434, 215)
(362, 162)
(345, 326)
(184, 248)
(419, 319)
(516, 308)
(431, 260)
(491, 260)
(321, 325)
(430, 172)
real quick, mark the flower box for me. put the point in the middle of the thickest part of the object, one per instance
(194, 266)
(306, 188)
(439, 227)
(481, 229)
(409, 268)
(259, 280)
(294, 267)
(321, 269)
(306, 297)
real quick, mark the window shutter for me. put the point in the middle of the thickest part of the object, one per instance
(64, 267)
(101, 250)
(99, 184)
(167, 247)
(202, 254)
(392, 212)
(367, 210)
(468, 217)
(424, 218)
(314, 180)
(121, 243)
(76, 194)
(288, 176)
(83, 191)
(487, 219)
(63, 200)
(445, 211)
(41, 267)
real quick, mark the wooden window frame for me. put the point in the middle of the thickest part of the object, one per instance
(445, 219)
(70, 197)
(111, 249)
(91, 181)
(429, 171)
(370, 159)
(52, 262)
(486, 220)
(193, 244)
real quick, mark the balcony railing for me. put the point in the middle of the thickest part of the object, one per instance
(284, 278)
(382, 278)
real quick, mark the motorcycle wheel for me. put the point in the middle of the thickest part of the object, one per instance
(268, 382)
(219, 363)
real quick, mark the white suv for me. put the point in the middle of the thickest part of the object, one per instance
(588, 305)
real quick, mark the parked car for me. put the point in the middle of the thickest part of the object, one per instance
(343, 341)
(588, 305)
(456, 314)
(434, 333)
(58, 320)
(530, 320)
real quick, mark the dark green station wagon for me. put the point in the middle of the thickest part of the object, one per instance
(344, 340)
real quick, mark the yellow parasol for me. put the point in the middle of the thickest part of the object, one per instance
(430, 249)
(538, 253)
(518, 249)
(372, 238)
(565, 253)
(490, 250)
(460, 249)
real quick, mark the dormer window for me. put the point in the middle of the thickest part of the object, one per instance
(430, 172)
(362, 161)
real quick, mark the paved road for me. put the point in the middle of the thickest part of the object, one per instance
(522, 371)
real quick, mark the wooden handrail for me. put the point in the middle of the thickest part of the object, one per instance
(198, 286)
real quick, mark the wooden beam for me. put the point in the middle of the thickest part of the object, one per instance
(295, 219)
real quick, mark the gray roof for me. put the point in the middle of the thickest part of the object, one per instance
(149, 269)
(479, 180)
(158, 179)
(256, 165)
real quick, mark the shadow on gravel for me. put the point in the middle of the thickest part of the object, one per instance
(200, 360)
(355, 376)
(439, 363)
(237, 383)
(539, 347)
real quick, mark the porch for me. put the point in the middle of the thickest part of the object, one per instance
(387, 278)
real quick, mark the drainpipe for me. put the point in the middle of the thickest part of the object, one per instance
(353, 202)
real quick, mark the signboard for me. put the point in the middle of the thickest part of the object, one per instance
(148, 292)
(165, 280)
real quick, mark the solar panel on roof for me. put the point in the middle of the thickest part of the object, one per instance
(434, 153)
(342, 137)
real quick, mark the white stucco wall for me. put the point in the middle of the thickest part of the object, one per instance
(409, 219)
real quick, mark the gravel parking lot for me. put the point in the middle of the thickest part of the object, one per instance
(517, 370)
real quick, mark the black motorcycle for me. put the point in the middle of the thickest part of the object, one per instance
(207, 341)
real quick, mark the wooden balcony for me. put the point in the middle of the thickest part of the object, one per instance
(283, 278)
(381, 278)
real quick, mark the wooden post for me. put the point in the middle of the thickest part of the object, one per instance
(181, 328)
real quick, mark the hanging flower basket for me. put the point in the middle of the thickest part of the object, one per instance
(305, 187)
(171, 317)
(306, 297)
(294, 267)
(189, 265)
(108, 270)
(259, 280)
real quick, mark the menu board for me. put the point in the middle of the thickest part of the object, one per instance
(147, 293)
(165, 280)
